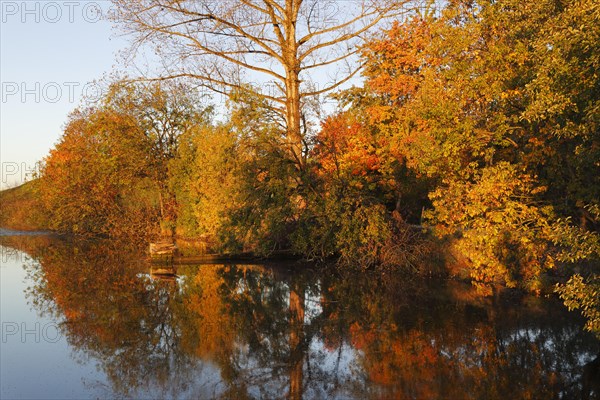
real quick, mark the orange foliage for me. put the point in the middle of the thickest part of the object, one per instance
(345, 146)
(397, 61)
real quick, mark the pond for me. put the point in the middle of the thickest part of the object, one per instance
(92, 320)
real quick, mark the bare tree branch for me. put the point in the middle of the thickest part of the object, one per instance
(213, 41)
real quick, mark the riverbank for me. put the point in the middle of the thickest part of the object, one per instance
(20, 210)
(410, 253)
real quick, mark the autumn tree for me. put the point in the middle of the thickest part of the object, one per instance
(285, 45)
(90, 178)
(361, 208)
(108, 174)
(204, 178)
(476, 100)
(232, 182)
(164, 111)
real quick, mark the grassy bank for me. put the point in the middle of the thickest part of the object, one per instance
(20, 210)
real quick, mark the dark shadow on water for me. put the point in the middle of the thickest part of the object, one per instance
(250, 331)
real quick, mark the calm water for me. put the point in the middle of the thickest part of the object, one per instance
(89, 320)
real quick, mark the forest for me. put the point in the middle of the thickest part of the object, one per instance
(470, 148)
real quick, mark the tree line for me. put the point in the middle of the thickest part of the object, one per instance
(474, 134)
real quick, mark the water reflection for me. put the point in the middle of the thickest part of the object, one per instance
(247, 331)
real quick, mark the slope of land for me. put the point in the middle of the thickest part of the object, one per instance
(19, 209)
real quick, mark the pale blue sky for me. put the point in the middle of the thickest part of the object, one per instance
(49, 50)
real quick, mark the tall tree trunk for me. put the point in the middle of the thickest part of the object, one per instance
(294, 133)
(292, 84)
(296, 341)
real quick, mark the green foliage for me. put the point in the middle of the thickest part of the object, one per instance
(584, 294)
(576, 244)
(363, 230)
(270, 185)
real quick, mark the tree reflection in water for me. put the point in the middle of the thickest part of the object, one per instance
(245, 331)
